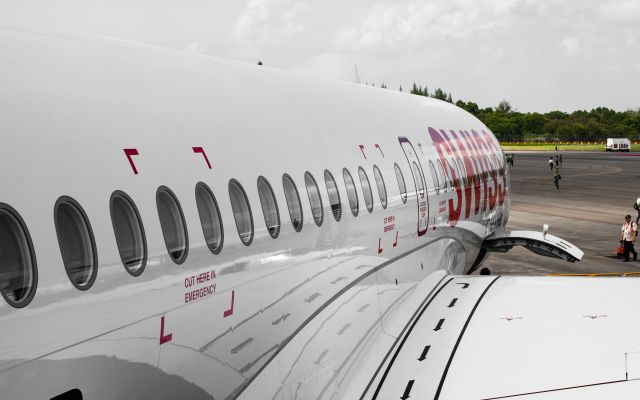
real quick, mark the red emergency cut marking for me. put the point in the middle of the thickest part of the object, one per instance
(201, 151)
(229, 312)
(164, 338)
(379, 248)
(362, 150)
(378, 147)
(129, 153)
(396, 242)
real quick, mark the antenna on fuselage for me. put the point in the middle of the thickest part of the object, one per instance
(355, 67)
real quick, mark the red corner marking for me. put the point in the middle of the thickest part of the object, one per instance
(362, 150)
(396, 242)
(201, 151)
(129, 153)
(379, 248)
(164, 338)
(378, 146)
(229, 312)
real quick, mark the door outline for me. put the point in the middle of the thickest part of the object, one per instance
(422, 199)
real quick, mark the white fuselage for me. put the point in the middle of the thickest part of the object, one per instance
(70, 107)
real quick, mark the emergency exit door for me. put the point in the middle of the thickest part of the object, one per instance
(419, 184)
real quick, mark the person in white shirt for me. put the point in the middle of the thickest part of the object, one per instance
(637, 207)
(628, 237)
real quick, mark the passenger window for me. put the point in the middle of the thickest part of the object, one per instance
(366, 189)
(18, 269)
(210, 219)
(174, 227)
(419, 179)
(352, 195)
(382, 189)
(241, 211)
(334, 195)
(293, 202)
(314, 198)
(434, 176)
(77, 244)
(463, 171)
(450, 172)
(401, 185)
(443, 176)
(476, 170)
(129, 232)
(269, 207)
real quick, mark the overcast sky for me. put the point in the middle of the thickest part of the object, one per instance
(540, 55)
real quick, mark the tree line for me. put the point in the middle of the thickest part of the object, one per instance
(510, 125)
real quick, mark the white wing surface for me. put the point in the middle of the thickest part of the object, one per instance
(518, 337)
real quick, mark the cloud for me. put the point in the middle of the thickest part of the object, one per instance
(570, 45)
(268, 22)
(621, 10)
(335, 65)
(393, 26)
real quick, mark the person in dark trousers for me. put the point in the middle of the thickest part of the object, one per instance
(556, 178)
(551, 163)
(560, 159)
(636, 207)
(628, 237)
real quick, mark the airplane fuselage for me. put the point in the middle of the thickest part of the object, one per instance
(202, 318)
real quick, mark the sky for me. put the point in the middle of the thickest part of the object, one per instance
(540, 55)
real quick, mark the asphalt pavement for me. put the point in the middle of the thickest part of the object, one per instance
(596, 191)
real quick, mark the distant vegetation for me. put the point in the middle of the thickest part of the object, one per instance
(509, 125)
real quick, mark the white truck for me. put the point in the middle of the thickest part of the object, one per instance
(618, 144)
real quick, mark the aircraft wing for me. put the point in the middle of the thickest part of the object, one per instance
(487, 337)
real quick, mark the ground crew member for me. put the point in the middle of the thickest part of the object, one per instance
(636, 206)
(551, 163)
(628, 237)
(556, 178)
(560, 160)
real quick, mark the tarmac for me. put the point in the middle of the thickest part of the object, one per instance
(596, 191)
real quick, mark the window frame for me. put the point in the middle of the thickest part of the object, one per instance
(235, 182)
(297, 192)
(145, 254)
(368, 204)
(264, 180)
(71, 202)
(378, 174)
(30, 252)
(319, 220)
(336, 191)
(345, 173)
(434, 176)
(206, 188)
(183, 257)
(403, 196)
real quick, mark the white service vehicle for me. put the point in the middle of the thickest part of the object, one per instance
(618, 144)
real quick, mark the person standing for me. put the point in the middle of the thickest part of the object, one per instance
(560, 159)
(628, 237)
(637, 208)
(556, 178)
(551, 163)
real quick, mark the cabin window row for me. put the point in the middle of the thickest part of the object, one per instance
(18, 266)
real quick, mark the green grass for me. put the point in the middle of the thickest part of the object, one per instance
(561, 147)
